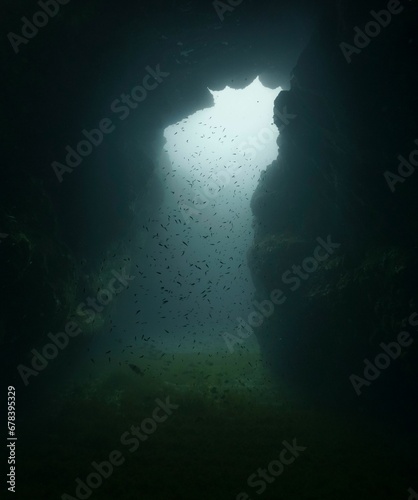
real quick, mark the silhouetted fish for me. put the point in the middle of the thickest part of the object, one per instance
(136, 369)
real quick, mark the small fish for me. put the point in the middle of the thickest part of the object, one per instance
(136, 369)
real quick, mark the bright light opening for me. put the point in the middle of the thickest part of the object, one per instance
(210, 167)
(228, 144)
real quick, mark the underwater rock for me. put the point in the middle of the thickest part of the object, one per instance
(328, 179)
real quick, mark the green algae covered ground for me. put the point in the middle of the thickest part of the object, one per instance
(227, 422)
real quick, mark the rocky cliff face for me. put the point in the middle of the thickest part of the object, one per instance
(349, 115)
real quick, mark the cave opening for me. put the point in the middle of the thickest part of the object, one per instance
(210, 165)
(191, 290)
(142, 224)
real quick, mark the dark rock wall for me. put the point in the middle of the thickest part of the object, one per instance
(345, 125)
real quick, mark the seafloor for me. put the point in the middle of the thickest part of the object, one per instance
(231, 420)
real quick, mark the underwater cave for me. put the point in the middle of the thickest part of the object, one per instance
(208, 250)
